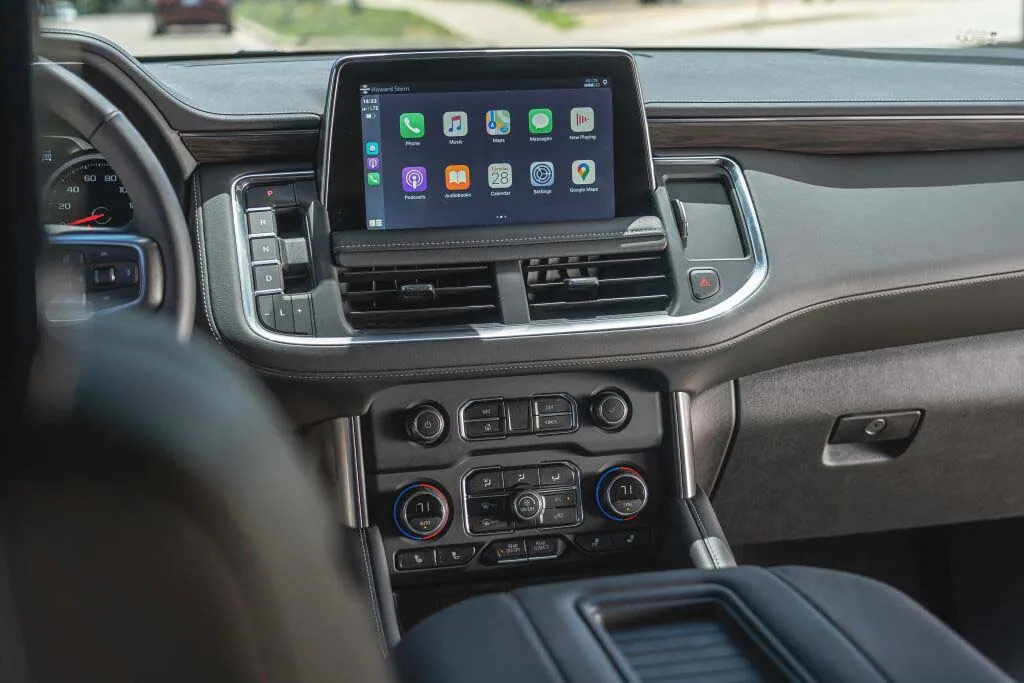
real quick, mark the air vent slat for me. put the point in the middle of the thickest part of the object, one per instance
(408, 297)
(616, 285)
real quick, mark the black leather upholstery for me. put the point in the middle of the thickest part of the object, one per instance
(831, 626)
(159, 525)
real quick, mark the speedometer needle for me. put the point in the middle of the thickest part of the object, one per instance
(88, 219)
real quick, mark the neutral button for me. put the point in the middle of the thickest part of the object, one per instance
(264, 249)
(478, 429)
(267, 278)
(262, 223)
(455, 555)
(554, 423)
(415, 559)
(555, 475)
(704, 283)
(482, 410)
(284, 320)
(483, 482)
(551, 404)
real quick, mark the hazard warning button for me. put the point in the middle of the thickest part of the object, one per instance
(704, 283)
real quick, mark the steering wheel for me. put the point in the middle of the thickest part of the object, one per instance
(156, 258)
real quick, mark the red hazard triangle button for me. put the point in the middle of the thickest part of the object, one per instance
(704, 283)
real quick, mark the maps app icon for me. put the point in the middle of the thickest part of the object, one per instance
(583, 172)
(499, 122)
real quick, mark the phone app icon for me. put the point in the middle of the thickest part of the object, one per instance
(373, 178)
(456, 124)
(540, 121)
(456, 177)
(581, 119)
(584, 172)
(498, 122)
(414, 179)
(499, 176)
(542, 174)
(372, 149)
(411, 125)
(372, 163)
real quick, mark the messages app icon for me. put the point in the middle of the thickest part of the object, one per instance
(540, 121)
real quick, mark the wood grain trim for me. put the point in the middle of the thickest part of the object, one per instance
(256, 147)
(841, 134)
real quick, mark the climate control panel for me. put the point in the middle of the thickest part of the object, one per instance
(499, 500)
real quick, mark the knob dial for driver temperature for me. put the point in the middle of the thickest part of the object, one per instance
(425, 424)
(421, 511)
(621, 493)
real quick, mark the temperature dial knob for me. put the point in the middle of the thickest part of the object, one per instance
(621, 493)
(421, 511)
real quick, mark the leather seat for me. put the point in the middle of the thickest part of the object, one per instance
(157, 525)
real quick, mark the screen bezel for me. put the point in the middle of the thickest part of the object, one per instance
(341, 155)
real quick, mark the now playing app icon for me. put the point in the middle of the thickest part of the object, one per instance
(414, 179)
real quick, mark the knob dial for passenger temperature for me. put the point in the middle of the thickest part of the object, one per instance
(421, 511)
(621, 493)
(609, 410)
(425, 424)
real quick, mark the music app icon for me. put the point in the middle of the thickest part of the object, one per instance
(456, 124)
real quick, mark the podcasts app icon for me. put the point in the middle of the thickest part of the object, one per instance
(414, 179)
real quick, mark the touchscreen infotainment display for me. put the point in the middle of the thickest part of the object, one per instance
(439, 154)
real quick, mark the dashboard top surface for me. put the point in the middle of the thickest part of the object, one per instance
(706, 82)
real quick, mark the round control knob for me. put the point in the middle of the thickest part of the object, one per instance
(609, 410)
(528, 505)
(425, 424)
(421, 511)
(621, 493)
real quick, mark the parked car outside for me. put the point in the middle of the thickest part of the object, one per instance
(167, 13)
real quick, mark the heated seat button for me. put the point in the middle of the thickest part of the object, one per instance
(556, 475)
(704, 283)
(482, 410)
(544, 546)
(415, 559)
(546, 405)
(506, 551)
(484, 482)
(634, 538)
(561, 422)
(559, 517)
(488, 524)
(596, 543)
(482, 429)
(454, 555)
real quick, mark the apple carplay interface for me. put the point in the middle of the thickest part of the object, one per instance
(466, 154)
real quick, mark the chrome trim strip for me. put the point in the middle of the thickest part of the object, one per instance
(682, 445)
(348, 445)
(752, 232)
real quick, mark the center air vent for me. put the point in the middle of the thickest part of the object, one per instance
(588, 286)
(404, 297)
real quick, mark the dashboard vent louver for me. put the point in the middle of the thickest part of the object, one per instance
(407, 297)
(588, 286)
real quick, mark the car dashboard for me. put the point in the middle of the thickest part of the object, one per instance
(505, 403)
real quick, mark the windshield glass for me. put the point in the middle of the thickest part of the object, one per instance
(152, 28)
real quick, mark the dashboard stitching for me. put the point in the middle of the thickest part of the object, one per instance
(505, 240)
(686, 353)
(201, 253)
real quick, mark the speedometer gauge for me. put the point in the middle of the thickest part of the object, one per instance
(86, 193)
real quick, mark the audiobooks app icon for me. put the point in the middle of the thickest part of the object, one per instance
(456, 177)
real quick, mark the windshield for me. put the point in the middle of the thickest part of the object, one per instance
(152, 28)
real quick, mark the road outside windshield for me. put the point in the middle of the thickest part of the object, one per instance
(149, 28)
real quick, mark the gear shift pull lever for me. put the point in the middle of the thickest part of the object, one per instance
(692, 516)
